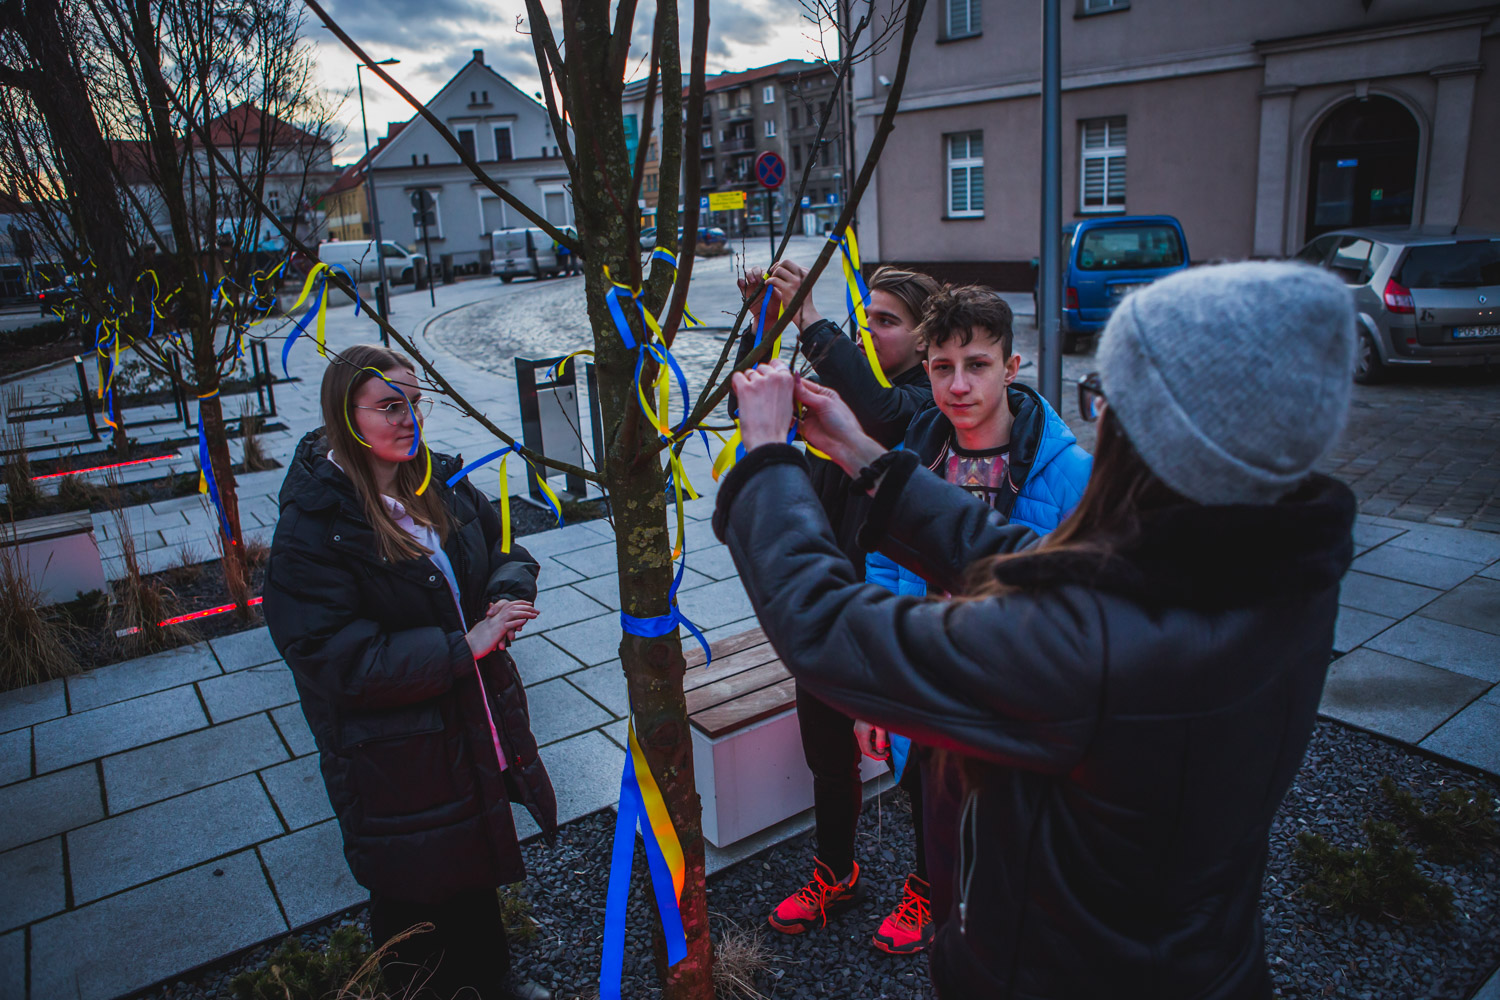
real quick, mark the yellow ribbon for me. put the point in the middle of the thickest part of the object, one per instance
(657, 814)
(727, 456)
(322, 305)
(850, 262)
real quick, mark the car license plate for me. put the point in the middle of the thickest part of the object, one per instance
(1118, 292)
(1475, 332)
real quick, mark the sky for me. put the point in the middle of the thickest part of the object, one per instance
(434, 38)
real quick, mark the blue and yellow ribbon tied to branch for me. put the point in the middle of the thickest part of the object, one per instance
(418, 440)
(318, 277)
(857, 295)
(207, 483)
(503, 454)
(641, 803)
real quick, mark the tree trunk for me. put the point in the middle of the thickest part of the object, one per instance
(211, 410)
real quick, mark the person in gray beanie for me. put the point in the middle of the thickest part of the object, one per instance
(1117, 710)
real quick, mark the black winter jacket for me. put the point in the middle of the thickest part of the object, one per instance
(883, 413)
(388, 686)
(1120, 730)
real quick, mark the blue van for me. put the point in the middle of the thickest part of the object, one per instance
(1106, 259)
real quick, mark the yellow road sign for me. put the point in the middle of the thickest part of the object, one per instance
(726, 201)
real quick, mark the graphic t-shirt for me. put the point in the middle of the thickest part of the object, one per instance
(982, 473)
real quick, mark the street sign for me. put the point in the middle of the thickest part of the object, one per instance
(770, 170)
(807, 201)
(833, 197)
(703, 204)
(726, 201)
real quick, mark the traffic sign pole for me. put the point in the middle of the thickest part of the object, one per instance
(770, 170)
(770, 226)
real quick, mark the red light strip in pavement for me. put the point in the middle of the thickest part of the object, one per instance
(101, 468)
(192, 616)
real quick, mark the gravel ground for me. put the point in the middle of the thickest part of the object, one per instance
(1312, 953)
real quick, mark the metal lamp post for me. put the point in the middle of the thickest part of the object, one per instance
(1050, 277)
(382, 298)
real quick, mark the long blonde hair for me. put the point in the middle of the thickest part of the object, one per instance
(341, 380)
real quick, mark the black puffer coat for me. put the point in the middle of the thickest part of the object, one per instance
(1120, 730)
(388, 685)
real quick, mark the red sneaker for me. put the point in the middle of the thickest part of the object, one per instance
(908, 929)
(816, 901)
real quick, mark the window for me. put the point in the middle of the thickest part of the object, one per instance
(651, 152)
(1317, 251)
(770, 128)
(708, 139)
(432, 219)
(723, 100)
(466, 140)
(424, 159)
(473, 98)
(273, 200)
(502, 144)
(1129, 248)
(1095, 6)
(1355, 259)
(708, 171)
(768, 95)
(796, 157)
(1467, 264)
(792, 117)
(966, 175)
(963, 18)
(484, 96)
(1102, 170)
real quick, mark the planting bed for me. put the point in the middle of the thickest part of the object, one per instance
(1313, 953)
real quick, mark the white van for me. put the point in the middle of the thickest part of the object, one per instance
(358, 256)
(522, 253)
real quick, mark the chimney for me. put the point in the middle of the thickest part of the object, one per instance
(479, 56)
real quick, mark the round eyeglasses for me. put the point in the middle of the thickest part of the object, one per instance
(398, 412)
(1090, 397)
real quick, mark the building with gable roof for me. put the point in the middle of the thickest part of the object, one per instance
(508, 132)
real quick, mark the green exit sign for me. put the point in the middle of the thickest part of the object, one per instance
(1377, 193)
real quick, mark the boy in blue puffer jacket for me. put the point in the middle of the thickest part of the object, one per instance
(998, 440)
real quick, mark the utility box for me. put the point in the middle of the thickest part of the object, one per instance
(550, 421)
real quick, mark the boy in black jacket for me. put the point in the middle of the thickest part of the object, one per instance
(831, 740)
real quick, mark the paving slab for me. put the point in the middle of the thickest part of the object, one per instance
(13, 965)
(716, 604)
(526, 827)
(293, 727)
(311, 876)
(1394, 696)
(560, 540)
(560, 710)
(1383, 596)
(539, 660)
(1456, 543)
(1452, 647)
(1413, 566)
(196, 760)
(245, 692)
(32, 704)
(15, 756)
(147, 843)
(49, 805)
(116, 727)
(1475, 604)
(33, 880)
(1368, 535)
(715, 562)
(299, 793)
(1491, 573)
(585, 772)
(594, 641)
(606, 685)
(1353, 628)
(144, 675)
(1471, 736)
(564, 606)
(618, 731)
(121, 944)
(596, 560)
(554, 574)
(245, 649)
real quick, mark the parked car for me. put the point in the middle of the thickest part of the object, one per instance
(707, 236)
(56, 297)
(1425, 296)
(358, 257)
(1104, 260)
(523, 253)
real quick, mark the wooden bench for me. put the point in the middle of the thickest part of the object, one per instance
(747, 749)
(58, 553)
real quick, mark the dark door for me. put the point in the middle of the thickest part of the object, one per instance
(1364, 167)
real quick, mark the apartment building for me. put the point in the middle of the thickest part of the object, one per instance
(1258, 125)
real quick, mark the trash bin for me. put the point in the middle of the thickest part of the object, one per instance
(446, 261)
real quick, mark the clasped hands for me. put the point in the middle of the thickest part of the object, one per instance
(770, 396)
(502, 622)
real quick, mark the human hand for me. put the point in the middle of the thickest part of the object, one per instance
(765, 396)
(787, 277)
(873, 741)
(513, 616)
(828, 425)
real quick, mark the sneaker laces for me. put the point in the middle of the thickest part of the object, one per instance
(913, 911)
(815, 894)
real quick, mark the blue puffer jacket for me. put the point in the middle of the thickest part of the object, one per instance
(1045, 458)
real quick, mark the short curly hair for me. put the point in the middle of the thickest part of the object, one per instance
(957, 312)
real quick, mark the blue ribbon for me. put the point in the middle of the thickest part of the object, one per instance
(859, 279)
(300, 327)
(612, 299)
(633, 812)
(760, 324)
(492, 456)
(655, 628)
(664, 356)
(207, 468)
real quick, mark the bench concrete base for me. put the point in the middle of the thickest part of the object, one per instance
(59, 554)
(755, 777)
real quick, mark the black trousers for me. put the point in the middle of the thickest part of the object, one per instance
(465, 955)
(832, 755)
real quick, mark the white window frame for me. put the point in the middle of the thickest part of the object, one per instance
(1111, 154)
(972, 166)
(473, 146)
(437, 214)
(483, 195)
(770, 128)
(768, 94)
(545, 190)
(961, 19)
(273, 201)
(510, 134)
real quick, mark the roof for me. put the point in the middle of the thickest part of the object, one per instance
(242, 125)
(726, 81)
(132, 159)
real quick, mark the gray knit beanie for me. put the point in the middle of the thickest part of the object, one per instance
(1232, 381)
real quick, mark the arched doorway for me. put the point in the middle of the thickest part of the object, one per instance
(1363, 167)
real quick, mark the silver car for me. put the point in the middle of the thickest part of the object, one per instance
(1425, 297)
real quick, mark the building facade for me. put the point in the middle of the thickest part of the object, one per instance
(506, 131)
(1257, 125)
